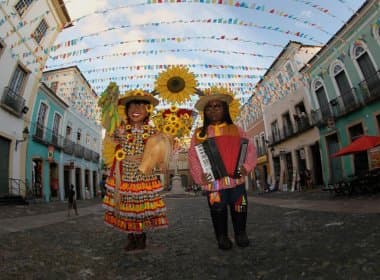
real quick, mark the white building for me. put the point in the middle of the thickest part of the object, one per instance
(28, 29)
(292, 139)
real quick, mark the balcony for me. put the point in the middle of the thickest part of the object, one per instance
(87, 154)
(95, 157)
(46, 136)
(78, 150)
(302, 123)
(13, 102)
(338, 107)
(68, 146)
(349, 102)
(274, 138)
(371, 88)
(288, 131)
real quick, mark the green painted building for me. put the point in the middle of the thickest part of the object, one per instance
(343, 81)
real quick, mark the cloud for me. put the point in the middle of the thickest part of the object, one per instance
(78, 8)
(141, 16)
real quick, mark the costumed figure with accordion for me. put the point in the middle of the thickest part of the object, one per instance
(132, 200)
(220, 156)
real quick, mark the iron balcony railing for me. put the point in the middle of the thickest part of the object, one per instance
(46, 136)
(87, 153)
(338, 107)
(95, 157)
(68, 146)
(13, 102)
(371, 88)
(288, 131)
(302, 123)
(274, 138)
(348, 102)
(79, 150)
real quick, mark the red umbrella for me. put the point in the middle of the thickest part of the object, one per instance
(360, 144)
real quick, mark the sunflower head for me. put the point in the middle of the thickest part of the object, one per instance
(174, 121)
(173, 108)
(176, 84)
(172, 118)
(120, 154)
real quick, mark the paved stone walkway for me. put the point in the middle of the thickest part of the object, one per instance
(343, 206)
(291, 238)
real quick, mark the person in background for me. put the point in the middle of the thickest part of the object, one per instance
(72, 201)
(102, 186)
(230, 190)
(308, 179)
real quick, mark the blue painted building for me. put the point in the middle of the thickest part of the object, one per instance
(63, 148)
(45, 144)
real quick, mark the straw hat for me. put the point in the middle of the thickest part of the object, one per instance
(138, 95)
(203, 100)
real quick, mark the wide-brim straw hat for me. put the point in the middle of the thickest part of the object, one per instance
(203, 100)
(138, 95)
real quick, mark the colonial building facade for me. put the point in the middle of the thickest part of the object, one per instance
(289, 139)
(76, 155)
(28, 30)
(251, 120)
(343, 79)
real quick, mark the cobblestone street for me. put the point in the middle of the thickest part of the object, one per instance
(41, 242)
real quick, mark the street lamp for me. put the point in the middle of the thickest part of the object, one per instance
(25, 134)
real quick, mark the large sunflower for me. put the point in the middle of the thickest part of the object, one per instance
(176, 84)
(234, 105)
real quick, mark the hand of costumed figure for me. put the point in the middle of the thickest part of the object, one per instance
(157, 153)
(109, 104)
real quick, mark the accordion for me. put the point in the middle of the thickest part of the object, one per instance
(222, 156)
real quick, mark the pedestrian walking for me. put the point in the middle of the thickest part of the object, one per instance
(102, 186)
(72, 201)
(308, 179)
(132, 200)
(228, 190)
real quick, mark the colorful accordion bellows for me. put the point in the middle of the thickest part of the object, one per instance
(225, 154)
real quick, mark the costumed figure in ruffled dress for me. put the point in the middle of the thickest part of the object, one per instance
(229, 189)
(132, 200)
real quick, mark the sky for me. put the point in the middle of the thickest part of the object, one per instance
(223, 45)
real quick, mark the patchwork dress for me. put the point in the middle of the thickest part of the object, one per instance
(132, 201)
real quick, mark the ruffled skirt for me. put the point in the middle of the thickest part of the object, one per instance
(136, 207)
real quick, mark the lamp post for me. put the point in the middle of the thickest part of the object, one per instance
(25, 134)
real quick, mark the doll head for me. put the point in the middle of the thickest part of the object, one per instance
(138, 105)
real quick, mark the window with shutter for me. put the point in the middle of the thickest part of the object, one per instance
(40, 31)
(22, 6)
